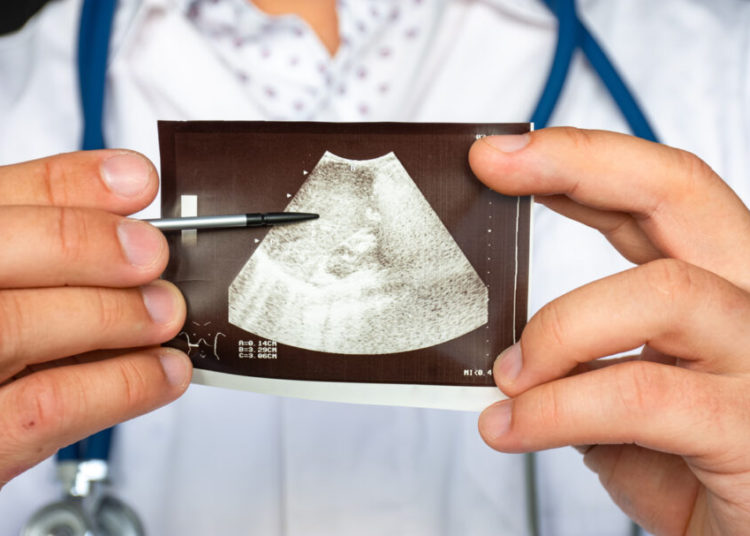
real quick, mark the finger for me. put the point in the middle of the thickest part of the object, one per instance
(40, 325)
(664, 408)
(655, 489)
(53, 408)
(77, 359)
(114, 180)
(686, 210)
(675, 308)
(51, 246)
(653, 357)
(619, 228)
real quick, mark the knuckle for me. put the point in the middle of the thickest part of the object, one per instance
(692, 168)
(641, 387)
(72, 234)
(583, 143)
(550, 409)
(692, 177)
(54, 183)
(579, 138)
(550, 324)
(134, 383)
(672, 279)
(687, 177)
(12, 322)
(110, 309)
(37, 407)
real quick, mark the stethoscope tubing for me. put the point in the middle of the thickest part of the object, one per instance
(573, 34)
(93, 50)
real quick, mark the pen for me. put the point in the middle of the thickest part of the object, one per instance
(231, 220)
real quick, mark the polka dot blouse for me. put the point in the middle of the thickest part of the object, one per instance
(283, 67)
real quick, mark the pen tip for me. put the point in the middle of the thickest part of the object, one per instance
(305, 216)
(288, 217)
(301, 216)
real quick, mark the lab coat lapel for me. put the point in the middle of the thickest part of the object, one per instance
(181, 78)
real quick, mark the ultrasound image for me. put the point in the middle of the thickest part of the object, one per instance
(377, 273)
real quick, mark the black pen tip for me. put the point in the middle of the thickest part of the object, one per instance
(276, 218)
(300, 216)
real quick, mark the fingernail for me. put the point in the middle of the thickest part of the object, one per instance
(496, 420)
(176, 366)
(160, 302)
(126, 174)
(141, 242)
(508, 143)
(508, 364)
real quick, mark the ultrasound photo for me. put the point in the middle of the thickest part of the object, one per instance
(377, 273)
(411, 281)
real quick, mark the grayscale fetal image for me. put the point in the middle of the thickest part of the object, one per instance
(377, 273)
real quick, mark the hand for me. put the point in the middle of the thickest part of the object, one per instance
(80, 311)
(667, 431)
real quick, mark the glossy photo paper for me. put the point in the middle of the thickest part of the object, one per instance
(404, 290)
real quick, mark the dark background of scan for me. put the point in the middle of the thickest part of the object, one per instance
(236, 167)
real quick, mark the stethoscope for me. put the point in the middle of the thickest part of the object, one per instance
(85, 509)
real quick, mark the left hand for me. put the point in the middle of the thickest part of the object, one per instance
(670, 428)
(81, 312)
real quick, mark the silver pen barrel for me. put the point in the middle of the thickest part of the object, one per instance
(200, 222)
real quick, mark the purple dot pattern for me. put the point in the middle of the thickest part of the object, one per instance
(283, 68)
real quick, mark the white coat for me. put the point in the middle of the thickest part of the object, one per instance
(226, 462)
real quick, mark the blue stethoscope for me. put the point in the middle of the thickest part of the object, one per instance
(83, 465)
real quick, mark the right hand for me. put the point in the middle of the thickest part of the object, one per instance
(81, 314)
(667, 430)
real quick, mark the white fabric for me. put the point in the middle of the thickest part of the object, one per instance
(284, 68)
(225, 462)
